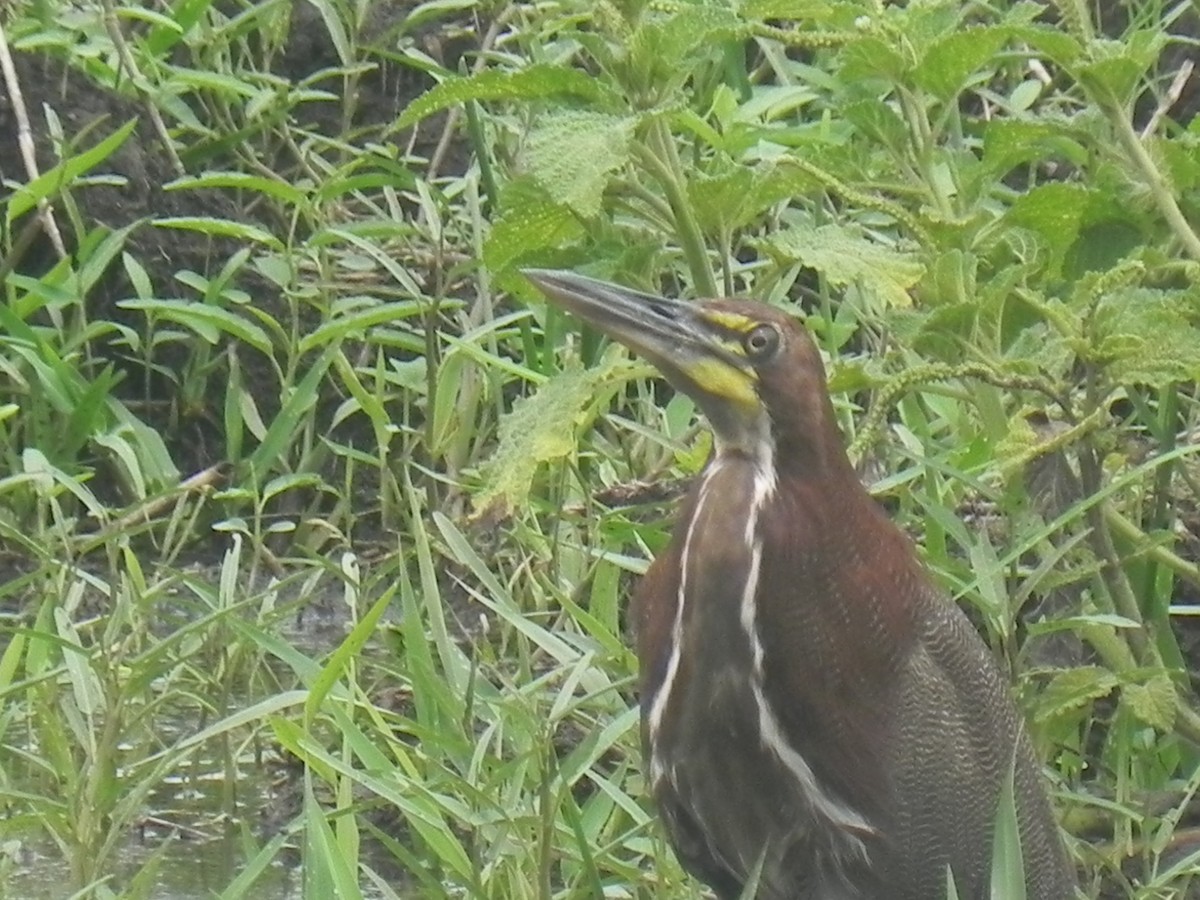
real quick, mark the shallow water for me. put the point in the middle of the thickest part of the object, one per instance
(201, 824)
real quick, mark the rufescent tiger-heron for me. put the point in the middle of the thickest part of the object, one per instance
(814, 712)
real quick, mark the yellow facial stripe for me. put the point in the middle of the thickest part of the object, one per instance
(728, 320)
(733, 324)
(722, 380)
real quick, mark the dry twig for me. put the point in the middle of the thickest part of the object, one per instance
(25, 143)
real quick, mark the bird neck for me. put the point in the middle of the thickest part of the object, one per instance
(767, 568)
(807, 519)
(754, 513)
(815, 454)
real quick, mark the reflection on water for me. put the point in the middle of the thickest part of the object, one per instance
(185, 846)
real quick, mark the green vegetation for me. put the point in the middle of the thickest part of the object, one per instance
(380, 629)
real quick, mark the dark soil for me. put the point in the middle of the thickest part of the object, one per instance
(143, 166)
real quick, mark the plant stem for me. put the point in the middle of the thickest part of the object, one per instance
(1160, 188)
(669, 170)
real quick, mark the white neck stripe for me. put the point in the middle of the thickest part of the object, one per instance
(664, 690)
(770, 730)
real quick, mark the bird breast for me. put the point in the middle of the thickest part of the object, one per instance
(748, 781)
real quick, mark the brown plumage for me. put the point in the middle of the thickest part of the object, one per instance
(812, 708)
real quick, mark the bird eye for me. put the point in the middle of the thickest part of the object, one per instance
(761, 342)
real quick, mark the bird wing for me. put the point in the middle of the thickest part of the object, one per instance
(952, 688)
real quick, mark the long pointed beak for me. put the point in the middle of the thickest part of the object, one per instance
(662, 331)
(690, 349)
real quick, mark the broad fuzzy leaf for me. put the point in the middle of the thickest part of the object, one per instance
(572, 153)
(1055, 212)
(1149, 337)
(1118, 66)
(1152, 703)
(951, 61)
(1073, 690)
(540, 429)
(845, 257)
(734, 196)
(534, 83)
(665, 51)
(531, 223)
(718, 201)
(1008, 143)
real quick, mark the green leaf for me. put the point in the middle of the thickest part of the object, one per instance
(216, 82)
(845, 257)
(571, 154)
(300, 399)
(222, 228)
(331, 16)
(86, 688)
(494, 596)
(1119, 66)
(878, 120)
(1008, 143)
(952, 60)
(95, 260)
(1152, 703)
(665, 51)
(873, 58)
(533, 224)
(1148, 337)
(691, 459)
(1073, 690)
(340, 659)
(424, 808)
(1182, 155)
(1102, 243)
(1054, 212)
(206, 320)
(1054, 42)
(718, 201)
(733, 195)
(327, 871)
(35, 465)
(539, 429)
(154, 467)
(538, 82)
(272, 187)
(184, 14)
(47, 184)
(351, 322)
(1008, 866)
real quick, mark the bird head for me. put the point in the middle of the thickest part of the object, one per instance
(752, 369)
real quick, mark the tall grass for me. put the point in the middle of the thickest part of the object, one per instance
(305, 495)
